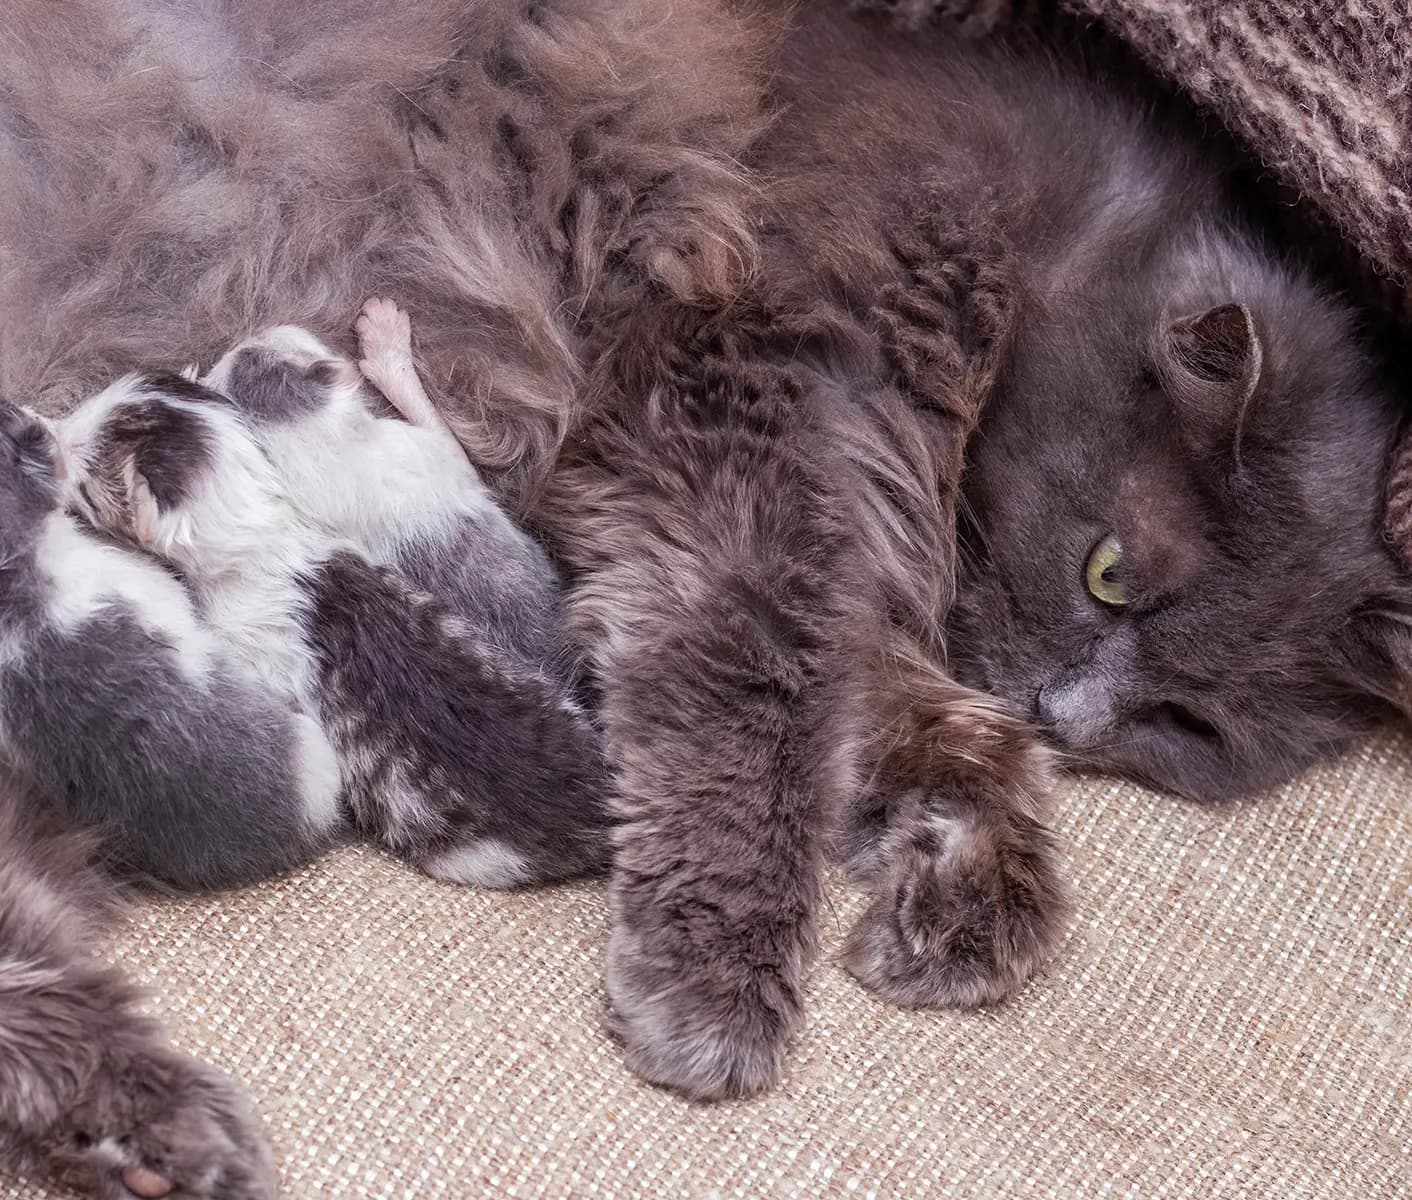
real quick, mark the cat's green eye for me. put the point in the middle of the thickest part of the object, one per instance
(1102, 573)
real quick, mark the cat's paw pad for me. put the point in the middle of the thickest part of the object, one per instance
(166, 1127)
(962, 919)
(713, 1029)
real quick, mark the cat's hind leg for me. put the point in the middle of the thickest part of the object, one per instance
(90, 1092)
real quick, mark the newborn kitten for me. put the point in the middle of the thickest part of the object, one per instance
(468, 766)
(127, 709)
(403, 493)
(401, 490)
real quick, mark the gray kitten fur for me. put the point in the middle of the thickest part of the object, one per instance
(101, 648)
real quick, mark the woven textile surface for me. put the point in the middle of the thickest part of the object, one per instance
(1230, 1017)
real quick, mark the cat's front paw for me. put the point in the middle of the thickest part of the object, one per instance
(711, 1026)
(156, 1125)
(963, 914)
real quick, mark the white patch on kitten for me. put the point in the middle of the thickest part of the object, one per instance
(485, 863)
(87, 576)
(381, 481)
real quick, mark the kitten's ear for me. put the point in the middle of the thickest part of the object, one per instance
(1210, 364)
(141, 504)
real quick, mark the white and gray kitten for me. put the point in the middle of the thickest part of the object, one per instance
(128, 709)
(459, 749)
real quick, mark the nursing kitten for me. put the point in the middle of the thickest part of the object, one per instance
(400, 491)
(101, 649)
(475, 768)
(729, 366)
(397, 485)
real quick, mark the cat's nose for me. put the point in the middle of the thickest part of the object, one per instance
(1075, 710)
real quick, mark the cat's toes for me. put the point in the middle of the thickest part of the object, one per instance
(713, 1029)
(162, 1126)
(963, 917)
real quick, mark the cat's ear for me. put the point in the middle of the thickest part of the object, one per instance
(1210, 364)
(1377, 652)
(142, 505)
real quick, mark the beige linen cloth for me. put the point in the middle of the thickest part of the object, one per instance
(1231, 1016)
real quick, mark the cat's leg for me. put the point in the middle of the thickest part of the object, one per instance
(951, 838)
(385, 359)
(967, 897)
(715, 593)
(90, 1092)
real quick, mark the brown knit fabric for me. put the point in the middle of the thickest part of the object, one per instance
(1320, 91)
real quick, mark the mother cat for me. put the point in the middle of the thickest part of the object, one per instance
(728, 365)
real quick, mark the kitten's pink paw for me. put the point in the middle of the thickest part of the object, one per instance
(160, 1126)
(385, 343)
(963, 915)
(383, 330)
(714, 1028)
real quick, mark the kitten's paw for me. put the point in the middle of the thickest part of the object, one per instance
(714, 1027)
(160, 1126)
(384, 336)
(963, 914)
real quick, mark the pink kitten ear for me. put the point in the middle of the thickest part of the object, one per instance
(1210, 363)
(141, 503)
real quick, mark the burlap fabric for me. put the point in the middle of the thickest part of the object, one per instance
(1231, 1017)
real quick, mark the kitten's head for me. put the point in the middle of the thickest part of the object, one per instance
(282, 375)
(1171, 551)
(30, 471)
(165, 463)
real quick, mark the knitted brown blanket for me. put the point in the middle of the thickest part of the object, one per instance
(1319, 90)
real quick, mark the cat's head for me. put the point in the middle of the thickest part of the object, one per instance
(1172, 551)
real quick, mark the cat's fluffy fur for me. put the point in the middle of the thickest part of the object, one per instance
(89, 1089)
(754, 476)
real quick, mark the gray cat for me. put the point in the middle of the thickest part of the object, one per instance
(723, 300)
